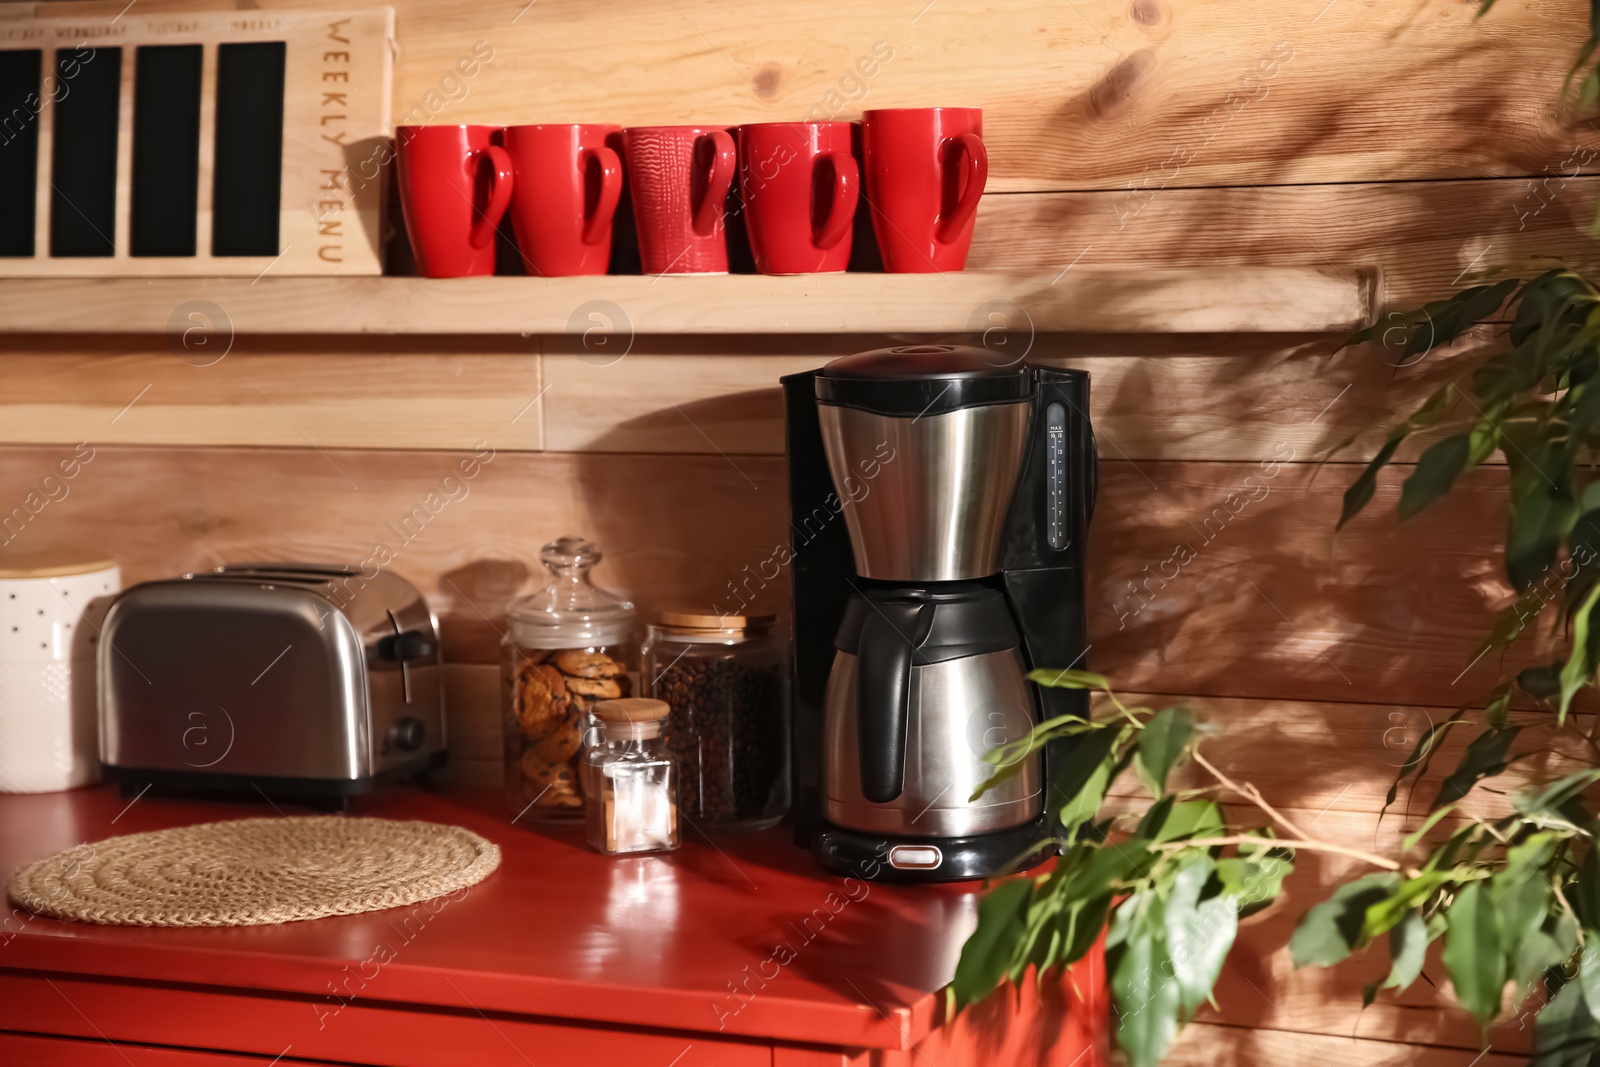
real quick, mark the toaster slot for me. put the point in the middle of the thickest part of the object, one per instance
(305, 570)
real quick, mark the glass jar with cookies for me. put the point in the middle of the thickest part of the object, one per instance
(569, 646)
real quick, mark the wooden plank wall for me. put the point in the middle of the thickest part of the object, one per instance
(1123, 133)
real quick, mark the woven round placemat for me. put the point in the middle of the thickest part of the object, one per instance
(251, 872)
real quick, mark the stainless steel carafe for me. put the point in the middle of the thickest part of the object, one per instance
(923, 685)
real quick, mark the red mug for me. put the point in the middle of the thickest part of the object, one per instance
(800, 185)
(567, 183)
(454, 188)
(926, 168)
(679, 177)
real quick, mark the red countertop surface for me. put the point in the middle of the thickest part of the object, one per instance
(558, 931)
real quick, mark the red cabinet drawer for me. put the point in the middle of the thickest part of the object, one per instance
(385, 1034)
(36, 1050)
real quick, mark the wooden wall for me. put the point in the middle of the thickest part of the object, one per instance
(1123, 133)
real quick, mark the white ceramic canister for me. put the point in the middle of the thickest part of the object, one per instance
(51, 608)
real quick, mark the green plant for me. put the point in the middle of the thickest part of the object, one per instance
(1172, 883)
(1516, 897)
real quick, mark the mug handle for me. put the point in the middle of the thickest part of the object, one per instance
(499, 194)
(846, 193)
(724, 162)
(610, 192)
(977, 160)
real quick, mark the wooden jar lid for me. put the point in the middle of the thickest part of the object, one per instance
(684, 620)
(631, 709)
(51, 563)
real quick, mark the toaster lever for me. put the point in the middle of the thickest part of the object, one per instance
(405, 647)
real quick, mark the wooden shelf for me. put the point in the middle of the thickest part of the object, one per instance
(1220, 300)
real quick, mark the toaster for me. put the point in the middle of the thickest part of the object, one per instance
(286, 679)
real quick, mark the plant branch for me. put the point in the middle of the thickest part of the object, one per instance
(1281, 842)
(1253, 795)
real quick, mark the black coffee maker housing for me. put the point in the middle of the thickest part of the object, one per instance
(1040, 577)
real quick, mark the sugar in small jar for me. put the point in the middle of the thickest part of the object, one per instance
(630, 779)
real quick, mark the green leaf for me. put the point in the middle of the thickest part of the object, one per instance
(1536, 954)
(1482, 441)
(1452, 317)
(1359, 495)
(1578, 671)
(1589, 981)
(1199, 932)
(1421, 756)
(1557, 793)
(1484, 758)
(1522, 904)
(1254, 881)
(1162, 743)
(1330, 930)
(1434, 474)
(1074, 783)
(1539, 521)
(1408, 945)
(1082, 928)
(1147, 1002)
(1541, 682)
(1188, 818)
(1498, 707)
(1383, 915)
(1070, 679)
(987, 953)
(1584, 894)
(1565, 1032)
(1473, 952)
(1427, 824)
(1084, 805)
(1096, 872)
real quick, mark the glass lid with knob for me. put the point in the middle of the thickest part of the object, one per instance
(571, 611)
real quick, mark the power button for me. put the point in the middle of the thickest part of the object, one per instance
(915, 857)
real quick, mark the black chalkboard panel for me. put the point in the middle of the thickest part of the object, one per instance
(166, 149)
(19, 148)
(249, 153)
(83, 159)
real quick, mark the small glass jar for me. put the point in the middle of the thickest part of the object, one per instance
(630, 775)
(726, 679)
(568, 647)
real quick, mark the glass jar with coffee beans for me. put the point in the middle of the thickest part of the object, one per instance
(726, 679)
(569, 646)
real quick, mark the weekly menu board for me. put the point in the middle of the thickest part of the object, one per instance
(212, 143)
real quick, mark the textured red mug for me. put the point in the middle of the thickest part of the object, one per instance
(568, 179)
(454, 188)
(679, 177)
(926, 169)
(800, 185)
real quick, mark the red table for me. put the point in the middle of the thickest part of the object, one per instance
(732, 952)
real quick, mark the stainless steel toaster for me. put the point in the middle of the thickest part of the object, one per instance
(291, 679)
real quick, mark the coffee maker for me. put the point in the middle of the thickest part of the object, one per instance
(939, 501)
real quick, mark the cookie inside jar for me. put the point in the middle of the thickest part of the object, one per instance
(569, 646)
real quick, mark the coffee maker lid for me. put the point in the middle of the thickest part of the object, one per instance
(923, 380)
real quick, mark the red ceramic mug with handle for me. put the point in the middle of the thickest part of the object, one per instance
(800, 186)
(926, 169)
(454, 189)
(568, 180)
(680, 177)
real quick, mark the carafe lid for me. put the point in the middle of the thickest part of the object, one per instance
(571, 611)
(923, 380)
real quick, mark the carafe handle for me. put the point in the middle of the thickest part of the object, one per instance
(889, 636)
